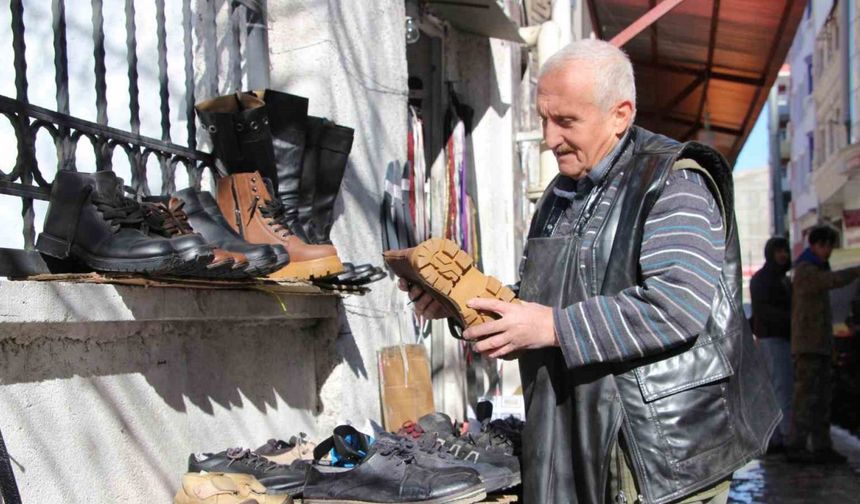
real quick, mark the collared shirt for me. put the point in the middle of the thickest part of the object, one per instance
(577, 191)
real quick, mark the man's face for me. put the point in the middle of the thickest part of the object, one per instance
(781, 256)
(577, 130)
(822, 250)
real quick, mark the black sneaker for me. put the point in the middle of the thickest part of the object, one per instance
(428, 453)
(503, 435)
(278, 479)
(387, 472)
(440, 426)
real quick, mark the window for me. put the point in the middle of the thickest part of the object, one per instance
(810, 150)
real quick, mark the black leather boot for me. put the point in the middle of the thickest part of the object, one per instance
(288, 117)
(335, 142)
(238, 125)
(205, 217)
(90, 220)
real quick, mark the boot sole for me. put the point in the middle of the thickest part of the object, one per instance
(56, 247)
(307, 270)
(450, 273)
(466, 497)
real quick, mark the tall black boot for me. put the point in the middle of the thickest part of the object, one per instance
(288, 118)
(334, 145)
(238, 125)
(90, 220)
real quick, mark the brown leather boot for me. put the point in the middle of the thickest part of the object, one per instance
(246, 202)
(448, 273)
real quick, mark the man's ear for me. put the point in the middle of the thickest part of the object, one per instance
(622, 116)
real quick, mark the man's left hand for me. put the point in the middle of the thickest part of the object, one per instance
(522, 326)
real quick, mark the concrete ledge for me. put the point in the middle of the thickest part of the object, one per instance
(27, 302)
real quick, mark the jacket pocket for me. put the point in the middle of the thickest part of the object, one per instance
(686, 399)
(697, 366)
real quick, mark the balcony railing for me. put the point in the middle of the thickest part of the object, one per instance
(26, 180)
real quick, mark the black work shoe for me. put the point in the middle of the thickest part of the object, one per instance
(431, 455)
(503, 435)
(206, 218)
(90, 220)
(440, 426)
(496, 476)
(388, 473)
(278, 479)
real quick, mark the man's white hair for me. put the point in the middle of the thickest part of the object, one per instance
(613, 71)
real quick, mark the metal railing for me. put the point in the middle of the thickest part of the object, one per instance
(25, 179)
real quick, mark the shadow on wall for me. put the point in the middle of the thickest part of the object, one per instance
(206, 363)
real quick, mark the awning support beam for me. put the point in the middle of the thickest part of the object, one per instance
(649, 18)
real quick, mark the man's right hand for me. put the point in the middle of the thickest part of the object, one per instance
(425, 305)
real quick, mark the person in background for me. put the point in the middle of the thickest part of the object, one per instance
(812, 348)
(770, 290)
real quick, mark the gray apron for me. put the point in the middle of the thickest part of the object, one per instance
(572, 418)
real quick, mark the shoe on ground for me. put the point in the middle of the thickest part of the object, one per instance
(430, 454)
(278, 479)
(438, 428)
(448, 274)
(286, 452)
(387, 472)
(504, 434)
(221, 488)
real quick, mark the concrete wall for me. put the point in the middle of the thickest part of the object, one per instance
(106, 390)
(324, 50)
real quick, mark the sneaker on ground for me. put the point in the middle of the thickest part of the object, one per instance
(384, 472)
(440, 426)
(278, 479)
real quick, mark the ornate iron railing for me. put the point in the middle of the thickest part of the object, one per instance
(26, 181)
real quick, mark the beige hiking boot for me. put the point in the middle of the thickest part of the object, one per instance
(448, 273)
(224, 488)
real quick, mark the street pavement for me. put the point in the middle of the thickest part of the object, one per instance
(772, 480)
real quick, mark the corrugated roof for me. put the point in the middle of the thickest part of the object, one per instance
(706, 61)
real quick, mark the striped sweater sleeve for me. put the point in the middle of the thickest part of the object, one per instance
(681, 257)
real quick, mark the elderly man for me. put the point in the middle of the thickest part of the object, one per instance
(641, 380)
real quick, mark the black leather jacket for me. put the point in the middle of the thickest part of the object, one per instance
(690, 416)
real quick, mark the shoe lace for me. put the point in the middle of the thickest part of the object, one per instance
(169, 219)
(428, 442)
(401, 448)
(250, 458)
(121, 211)
(274, 212)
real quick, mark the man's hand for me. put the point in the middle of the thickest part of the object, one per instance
(425, 305)
(523, 326)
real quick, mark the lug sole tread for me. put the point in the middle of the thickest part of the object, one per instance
(450, 271)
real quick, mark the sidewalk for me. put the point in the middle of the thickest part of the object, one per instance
(773, 481)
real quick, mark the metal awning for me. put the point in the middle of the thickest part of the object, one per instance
(705, 62)
(481, 17)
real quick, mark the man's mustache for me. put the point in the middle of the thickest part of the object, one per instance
(561, 151)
